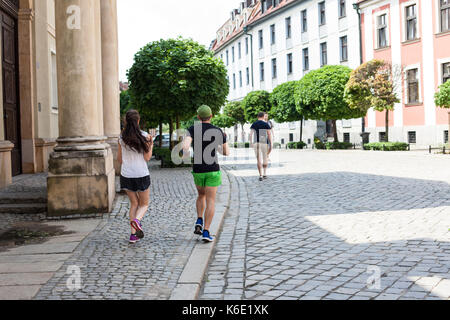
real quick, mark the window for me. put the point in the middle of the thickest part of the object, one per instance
(248, 76)
(275, 3)
(445, 15)
(304, 21)
(411, 22)
(228, 60)
(291, 137)
(323, 54)
(322, 17)
(347, 137)
(261, 71)
(289, 64)
(445, 72)
(412, 137)
(305, 59)
(239, 50)
(261, 39)
(234, 81)
(240, 79)
(342, 9)
(263, 6)
(382, 137)
(446, 136)
(413, 85)
(246, 46)
(272, 34)
(221, 56)
(54, 83)
(382, 31)
(232, 54)
(274, 68)
(288, 28)
(343, 48)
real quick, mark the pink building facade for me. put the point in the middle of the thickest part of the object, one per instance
(414, 35)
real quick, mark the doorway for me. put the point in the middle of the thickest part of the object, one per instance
(11, 111)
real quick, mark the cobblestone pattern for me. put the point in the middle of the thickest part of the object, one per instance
(111, 268)
(320, 236)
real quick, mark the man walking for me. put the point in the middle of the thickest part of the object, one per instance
(261, 136)
(206, 140)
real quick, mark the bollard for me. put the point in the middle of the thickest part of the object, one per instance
(430, 149)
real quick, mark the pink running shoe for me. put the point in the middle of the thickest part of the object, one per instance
(136, 224)
(134, 239)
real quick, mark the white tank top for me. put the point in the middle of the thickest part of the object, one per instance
(133, 163)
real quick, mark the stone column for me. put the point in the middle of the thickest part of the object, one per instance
(81, 173)
(27, 87)
(110, 64)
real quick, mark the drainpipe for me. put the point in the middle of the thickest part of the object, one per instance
(361, 60)
(246, 29)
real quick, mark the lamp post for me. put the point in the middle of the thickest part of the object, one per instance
(364, 135)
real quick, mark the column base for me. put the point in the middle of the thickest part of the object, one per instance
(5, 163)
(114, 143)
(44, 147)
(81, 181)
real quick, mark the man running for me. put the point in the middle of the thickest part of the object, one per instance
(261, 136)
(206, 140)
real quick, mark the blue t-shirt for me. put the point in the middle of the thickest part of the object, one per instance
(261, 128)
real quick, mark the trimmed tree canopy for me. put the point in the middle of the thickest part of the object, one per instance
(223, 121)
(320, 95)
(371, 85)
(254, 103)
(235, 110)
(172, 78)
(283, 102)
(442, 98)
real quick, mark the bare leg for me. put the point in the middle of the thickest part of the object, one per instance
(258, 159)
(134, 204)
(201, 201)
(211, 193)
(144, 199)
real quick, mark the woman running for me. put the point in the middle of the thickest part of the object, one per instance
(135, 151)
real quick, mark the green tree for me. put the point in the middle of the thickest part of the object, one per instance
(171, 78)
(284, 108)
(125, 104)
(223, 121)
(254, 103)
(442, 97)
(235, 111)
(373, 85)
(320, 96)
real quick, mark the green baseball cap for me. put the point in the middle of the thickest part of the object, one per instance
(204, 112)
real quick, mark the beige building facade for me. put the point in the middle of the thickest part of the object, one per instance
(59, 97)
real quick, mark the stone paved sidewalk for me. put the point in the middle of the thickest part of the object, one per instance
(111, 268)
(325, 224)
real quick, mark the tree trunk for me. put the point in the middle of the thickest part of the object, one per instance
(178, 128)
(160, 134)
(170, 133)
(336, 138)
(243, 133)
(301, 131)
(387, 126)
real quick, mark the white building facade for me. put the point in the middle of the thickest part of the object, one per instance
(267, 43)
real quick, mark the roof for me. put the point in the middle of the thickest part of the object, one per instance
(254, 18)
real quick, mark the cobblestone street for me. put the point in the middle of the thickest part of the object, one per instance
(336, 225)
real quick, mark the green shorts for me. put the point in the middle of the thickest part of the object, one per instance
(208, 179)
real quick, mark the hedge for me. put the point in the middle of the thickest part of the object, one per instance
(296, 145)
(387, 146)
(165, 155)
(241, 145)
(333, 145)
